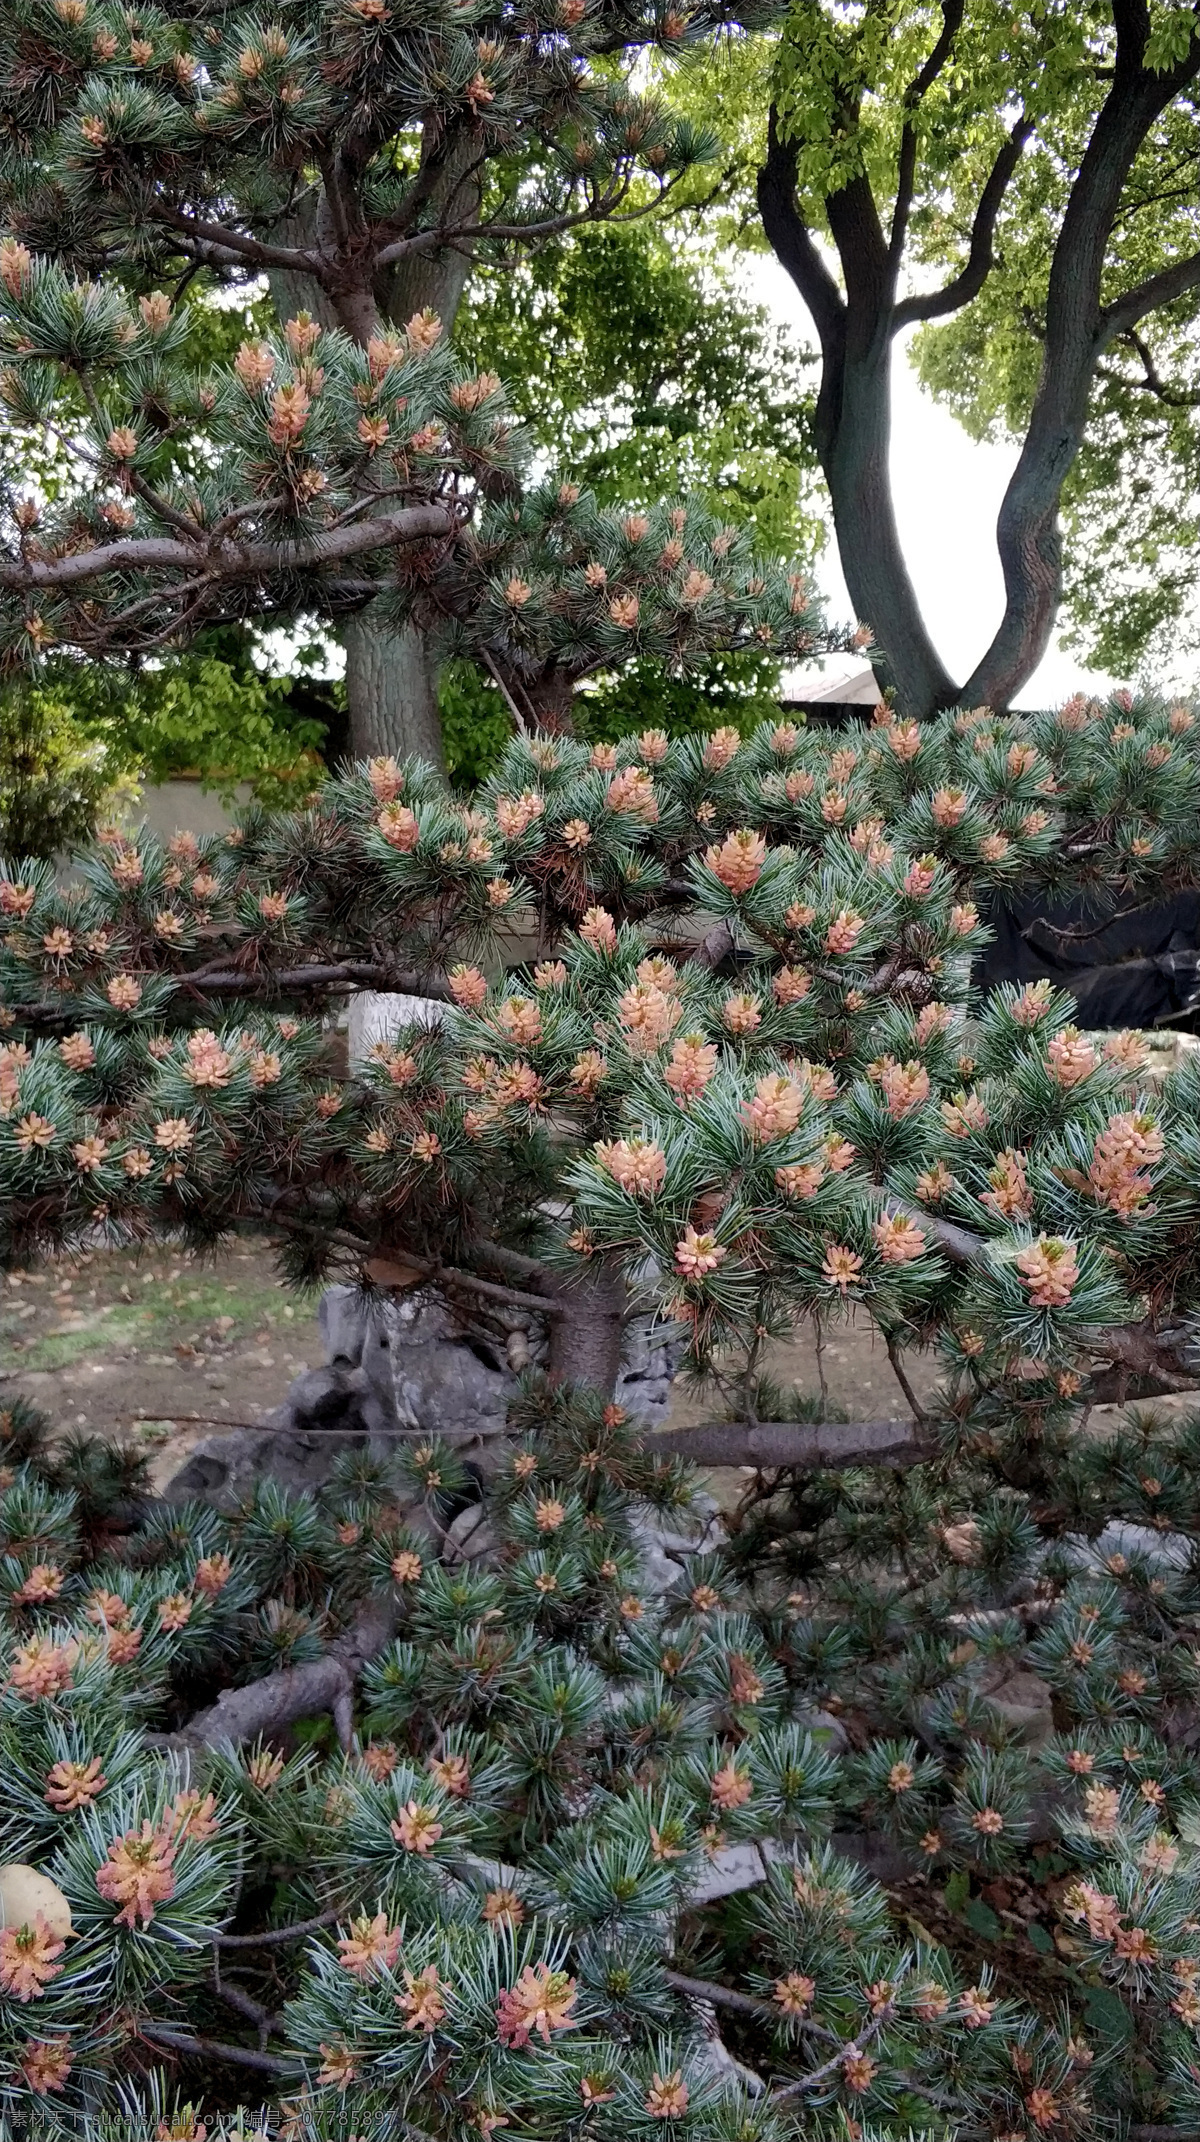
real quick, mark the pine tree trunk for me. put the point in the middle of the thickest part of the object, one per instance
(585, 1345)
(391, 691)
(391, 684)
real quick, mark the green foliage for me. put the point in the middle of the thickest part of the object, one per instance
(516, 1901)
(730, 689)
(741, 1066)
(636, 363)
(198, 713)
(56, 775)
(1129, 523)
(553, 589)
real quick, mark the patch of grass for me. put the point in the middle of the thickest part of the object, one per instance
(107, 1330)
(170, 1307)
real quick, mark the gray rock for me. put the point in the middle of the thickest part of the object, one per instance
(1173, 1550)
(469, 1537)
(1022, 1698)
(734, 1867)
(323, 1398)
(664, 1550)
(713, 2058)
(830, 1730)
(377, 1016)
(407, 1362)
(225, 1469)
(439, 1378)
(432, 1374)
(342, 1318)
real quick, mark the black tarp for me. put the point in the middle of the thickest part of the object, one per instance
(1132, 970)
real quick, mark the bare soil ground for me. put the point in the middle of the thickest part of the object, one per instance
(157, 1347)
(160, 1348)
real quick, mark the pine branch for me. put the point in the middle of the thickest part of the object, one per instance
(245, 562)
(850, 2050)
(212, 2049)
(276, 1936)
(744, 2004)
(826, 1446)
(323, 1685)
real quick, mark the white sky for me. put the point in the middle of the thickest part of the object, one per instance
(947, 493)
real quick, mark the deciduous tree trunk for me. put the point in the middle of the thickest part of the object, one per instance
(853, 422)
(858, 318)
(855, 461)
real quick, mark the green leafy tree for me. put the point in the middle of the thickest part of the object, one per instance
(633, 360)
(1028, 174)
(1130, 534)
(55, 776)
(567, 1852)
(206, 714)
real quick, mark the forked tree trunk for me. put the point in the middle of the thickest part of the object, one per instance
(855, 460)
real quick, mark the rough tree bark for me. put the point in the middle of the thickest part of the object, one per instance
(858, 319)
(391, 691)
(391, 680)
(585, 1342)
(1079, 327)
(829, 1446)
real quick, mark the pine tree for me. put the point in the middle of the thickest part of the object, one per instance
(357, 156)
(575, 1849)
(313, 475)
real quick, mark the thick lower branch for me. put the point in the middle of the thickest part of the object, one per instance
(826, 1446)
(268, 982)
(210, 2049)
(228, 561)
(1147, 1352)
(326, 1684)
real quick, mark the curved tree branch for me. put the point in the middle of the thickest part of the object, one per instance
(952, 15)
(792, 241)
(981, 255)
(325, 1684)
(1161, 289)
(227, 561)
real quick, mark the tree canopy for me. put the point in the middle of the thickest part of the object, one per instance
(1028, 176)
(357, 162)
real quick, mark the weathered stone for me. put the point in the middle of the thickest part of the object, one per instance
(1022, 1698)
(469, 1537)
(663, 1549)
(712, 2057)
(734, 1867)
(409, 1362)
(322, 1398)
(376, 1016)
(225, 1469)
(342, 1316)
(830, 1731)
(1173, 1550)
(435, 1373)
